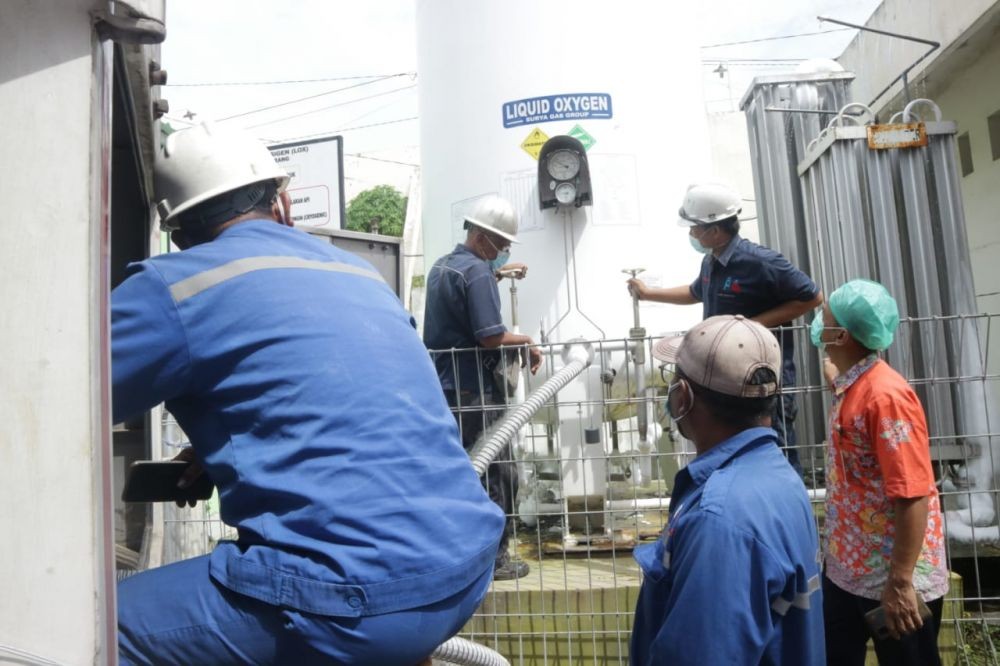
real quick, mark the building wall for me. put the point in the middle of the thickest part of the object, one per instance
(57, 588)
(972, 96)
(877, 59)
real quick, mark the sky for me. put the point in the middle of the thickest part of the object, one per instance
(354, 63)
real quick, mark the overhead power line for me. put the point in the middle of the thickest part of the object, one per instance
(303, 99)
(771, 39)
(728, 60)
(387, 122)
(278, 83)
(379, 159)
(332, 106)
(341, 130)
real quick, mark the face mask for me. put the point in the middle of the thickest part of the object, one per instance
(698, 247)
(500, 261)
(816, 333)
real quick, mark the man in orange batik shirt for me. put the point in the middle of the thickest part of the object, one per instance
(883, 538)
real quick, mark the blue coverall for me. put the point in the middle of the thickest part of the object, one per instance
(364, 535)
(735, 577)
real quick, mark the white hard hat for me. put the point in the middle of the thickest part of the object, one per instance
(201, 162)
(708, 203)
(496, 215)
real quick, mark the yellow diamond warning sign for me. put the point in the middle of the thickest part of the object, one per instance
(533, 144)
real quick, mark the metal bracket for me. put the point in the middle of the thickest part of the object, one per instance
(906, 72)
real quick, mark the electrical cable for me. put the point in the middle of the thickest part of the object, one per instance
(332, 106)
(275, 83)
(342, 130)
(725, 60)
(752, 65)
(303, 99)
(379, 159)
(771, 39)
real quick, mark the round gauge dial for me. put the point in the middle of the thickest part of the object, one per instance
(566, 193)
(563, 164)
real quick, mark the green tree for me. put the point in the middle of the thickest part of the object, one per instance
(383, 204)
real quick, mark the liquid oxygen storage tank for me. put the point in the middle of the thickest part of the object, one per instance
(496, 79)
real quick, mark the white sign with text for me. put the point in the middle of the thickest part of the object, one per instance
(316, 168)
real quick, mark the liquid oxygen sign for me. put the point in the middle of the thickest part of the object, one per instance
(571, 106)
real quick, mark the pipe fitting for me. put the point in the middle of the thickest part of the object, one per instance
(910, 116)
(578, 349)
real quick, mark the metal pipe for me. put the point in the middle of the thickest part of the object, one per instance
(519, 390)
(578, 357)
(905, 75)
(637, 335)
(772, 109)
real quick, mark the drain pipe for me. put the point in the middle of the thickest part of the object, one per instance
(466, 653)
(637, 335)
(577, 355)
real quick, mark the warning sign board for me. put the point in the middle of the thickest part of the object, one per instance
(533, 144)
(582, 136)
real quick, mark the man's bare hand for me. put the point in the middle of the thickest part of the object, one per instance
(638, 288)
(514, 270)
(902, 614)
(536, 359)
(829, 370)
(191, 474)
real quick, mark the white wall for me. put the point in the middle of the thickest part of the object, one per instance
(54, 559)
(969, 100)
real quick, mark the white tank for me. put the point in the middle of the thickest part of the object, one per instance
(628, 75)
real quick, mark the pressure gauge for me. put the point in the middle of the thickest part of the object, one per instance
(565, 193)
(563, 174)
(563, 164)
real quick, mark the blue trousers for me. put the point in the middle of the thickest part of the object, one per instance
(178, 614)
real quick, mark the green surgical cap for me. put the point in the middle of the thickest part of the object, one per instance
(867, 311)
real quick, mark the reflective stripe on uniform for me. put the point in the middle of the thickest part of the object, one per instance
(194, 285)
(801, 600)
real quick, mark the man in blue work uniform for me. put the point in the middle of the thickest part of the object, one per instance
(463, 328)
(364, 536)
(734, 578)
(742, 277)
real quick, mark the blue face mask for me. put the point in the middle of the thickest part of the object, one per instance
(499, 261)
(698, 247)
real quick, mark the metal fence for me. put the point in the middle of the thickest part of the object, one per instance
(591, 488)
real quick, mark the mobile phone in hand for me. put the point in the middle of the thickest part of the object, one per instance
(156, 481)
(875, 619)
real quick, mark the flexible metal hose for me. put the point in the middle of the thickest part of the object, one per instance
(466, 653)
(577, 357)
(486, 450)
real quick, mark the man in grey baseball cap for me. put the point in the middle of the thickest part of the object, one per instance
(734, 578)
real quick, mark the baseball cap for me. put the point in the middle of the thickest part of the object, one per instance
(722, 354)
